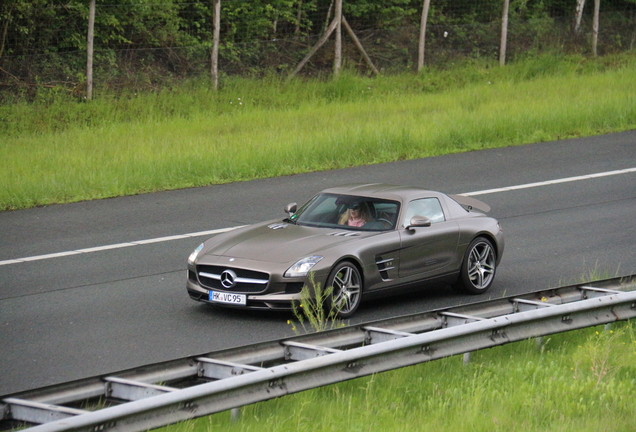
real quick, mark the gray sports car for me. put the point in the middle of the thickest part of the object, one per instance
(362, 240)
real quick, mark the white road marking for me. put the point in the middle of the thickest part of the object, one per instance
(117, 246)
(551, 182)
(222, 230)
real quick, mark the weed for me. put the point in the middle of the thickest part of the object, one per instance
(313, 312)
(599, 356)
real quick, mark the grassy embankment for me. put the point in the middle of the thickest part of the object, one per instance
(575, 382)
(55, 150)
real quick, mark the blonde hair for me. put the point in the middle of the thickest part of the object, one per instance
(365, 214)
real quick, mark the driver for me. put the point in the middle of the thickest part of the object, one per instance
(356, 215)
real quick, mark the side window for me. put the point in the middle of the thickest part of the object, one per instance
(427, 207)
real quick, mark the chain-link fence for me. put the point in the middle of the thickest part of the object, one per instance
(149, 43)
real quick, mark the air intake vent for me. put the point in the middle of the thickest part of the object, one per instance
(385, 266)
(345, 234)
(277, 226)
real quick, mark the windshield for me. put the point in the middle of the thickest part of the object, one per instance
(349, 212)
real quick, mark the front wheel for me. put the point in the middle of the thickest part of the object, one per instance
(347, 290)
(478, 268)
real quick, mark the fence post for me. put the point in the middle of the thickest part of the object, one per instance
(215, 44)
(358, 45)
(597, 7)
(89, 50)
(337, 62)
(580, 5)
(420, 57)
(504, 33)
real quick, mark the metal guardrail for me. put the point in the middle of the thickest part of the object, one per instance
(236, 377)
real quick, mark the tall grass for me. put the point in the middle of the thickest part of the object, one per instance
(53, 151)
(579, 381)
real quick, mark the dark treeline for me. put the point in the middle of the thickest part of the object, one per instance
(43, 42)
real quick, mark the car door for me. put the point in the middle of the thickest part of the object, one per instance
(426, 251)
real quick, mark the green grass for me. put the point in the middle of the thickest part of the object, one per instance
(579, 381)
(55, 150)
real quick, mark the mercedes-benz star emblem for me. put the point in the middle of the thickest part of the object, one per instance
(228, 279)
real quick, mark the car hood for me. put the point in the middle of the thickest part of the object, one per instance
(279, 242)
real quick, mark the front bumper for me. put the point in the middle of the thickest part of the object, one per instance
(278, 294)
(276, 301)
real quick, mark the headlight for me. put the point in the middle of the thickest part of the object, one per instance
(302, 267)
(194, 254)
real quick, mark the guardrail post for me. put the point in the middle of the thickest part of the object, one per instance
(235, 414)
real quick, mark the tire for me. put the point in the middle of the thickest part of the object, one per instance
(346, 295)
(478, 267)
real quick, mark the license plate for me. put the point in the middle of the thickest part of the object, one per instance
(221, 297)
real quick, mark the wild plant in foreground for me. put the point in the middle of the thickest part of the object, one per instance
(314, 312)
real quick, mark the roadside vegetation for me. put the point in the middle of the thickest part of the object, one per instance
(314, 312)
(57, 149)
(578, 381)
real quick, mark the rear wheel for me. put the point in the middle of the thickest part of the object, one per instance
(478, 268)
(347, 290)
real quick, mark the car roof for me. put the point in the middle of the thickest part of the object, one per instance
(383, 191)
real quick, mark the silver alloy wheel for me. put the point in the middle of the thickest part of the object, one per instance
(478, 267)
(481, 265)
(347, 289)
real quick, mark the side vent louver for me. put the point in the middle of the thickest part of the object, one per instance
(384, 266)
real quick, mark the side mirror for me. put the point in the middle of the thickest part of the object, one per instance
(418, 221)
(291, 208)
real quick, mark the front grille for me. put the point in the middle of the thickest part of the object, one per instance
(246, 281)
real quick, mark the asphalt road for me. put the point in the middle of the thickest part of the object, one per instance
(74, 316)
